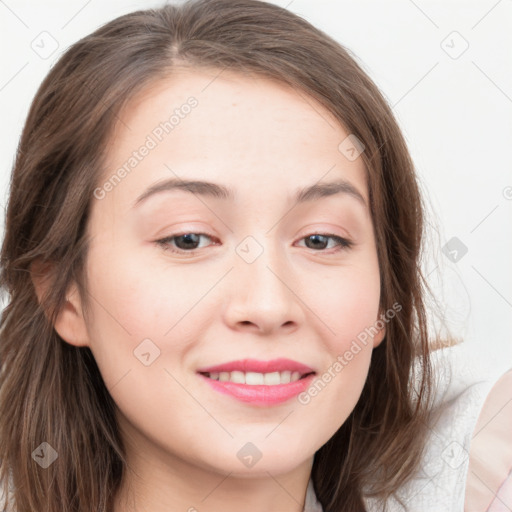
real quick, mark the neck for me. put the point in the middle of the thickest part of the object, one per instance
(158, 481)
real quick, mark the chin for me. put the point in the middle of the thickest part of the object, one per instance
(256, 460)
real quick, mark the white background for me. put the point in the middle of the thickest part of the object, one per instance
(455, 110)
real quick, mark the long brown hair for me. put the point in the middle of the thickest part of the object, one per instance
(52, 392)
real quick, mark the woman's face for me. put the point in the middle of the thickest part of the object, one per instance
(248, 282)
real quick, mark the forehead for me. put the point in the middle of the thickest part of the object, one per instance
(246, 130)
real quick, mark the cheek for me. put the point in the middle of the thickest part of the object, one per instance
(348, 306)
(138, 298)
(139, 335)
(335, 391)
(346, 300)
(136, 311)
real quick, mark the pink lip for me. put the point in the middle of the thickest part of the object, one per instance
(254, 365)
(261, 395)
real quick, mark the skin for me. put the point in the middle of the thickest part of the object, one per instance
(306, 303)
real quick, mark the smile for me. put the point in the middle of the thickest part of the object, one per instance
(254, 378)
(261, 383)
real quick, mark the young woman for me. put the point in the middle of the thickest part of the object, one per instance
(212, 253)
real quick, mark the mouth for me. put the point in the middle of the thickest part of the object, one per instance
(257, 378)
(254, 372)
(262, 383)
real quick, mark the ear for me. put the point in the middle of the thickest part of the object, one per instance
(379, 337)
(69, 323)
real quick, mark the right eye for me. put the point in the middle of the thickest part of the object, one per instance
(342, 243)
(183, 243)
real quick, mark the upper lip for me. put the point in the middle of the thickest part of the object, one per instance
(257, 366)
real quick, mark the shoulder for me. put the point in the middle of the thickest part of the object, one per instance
(464, 387)
(489, 481)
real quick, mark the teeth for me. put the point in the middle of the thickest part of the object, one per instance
(254, 378)
(237, 377)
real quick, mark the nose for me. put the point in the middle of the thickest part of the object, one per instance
(262, 296)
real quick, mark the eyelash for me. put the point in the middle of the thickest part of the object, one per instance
(343, 243)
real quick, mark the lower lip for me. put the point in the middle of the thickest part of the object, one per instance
(261, 394)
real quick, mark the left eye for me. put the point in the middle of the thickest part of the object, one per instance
(188, 242)
(319, 240)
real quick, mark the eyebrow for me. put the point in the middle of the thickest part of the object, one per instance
(217, 191)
